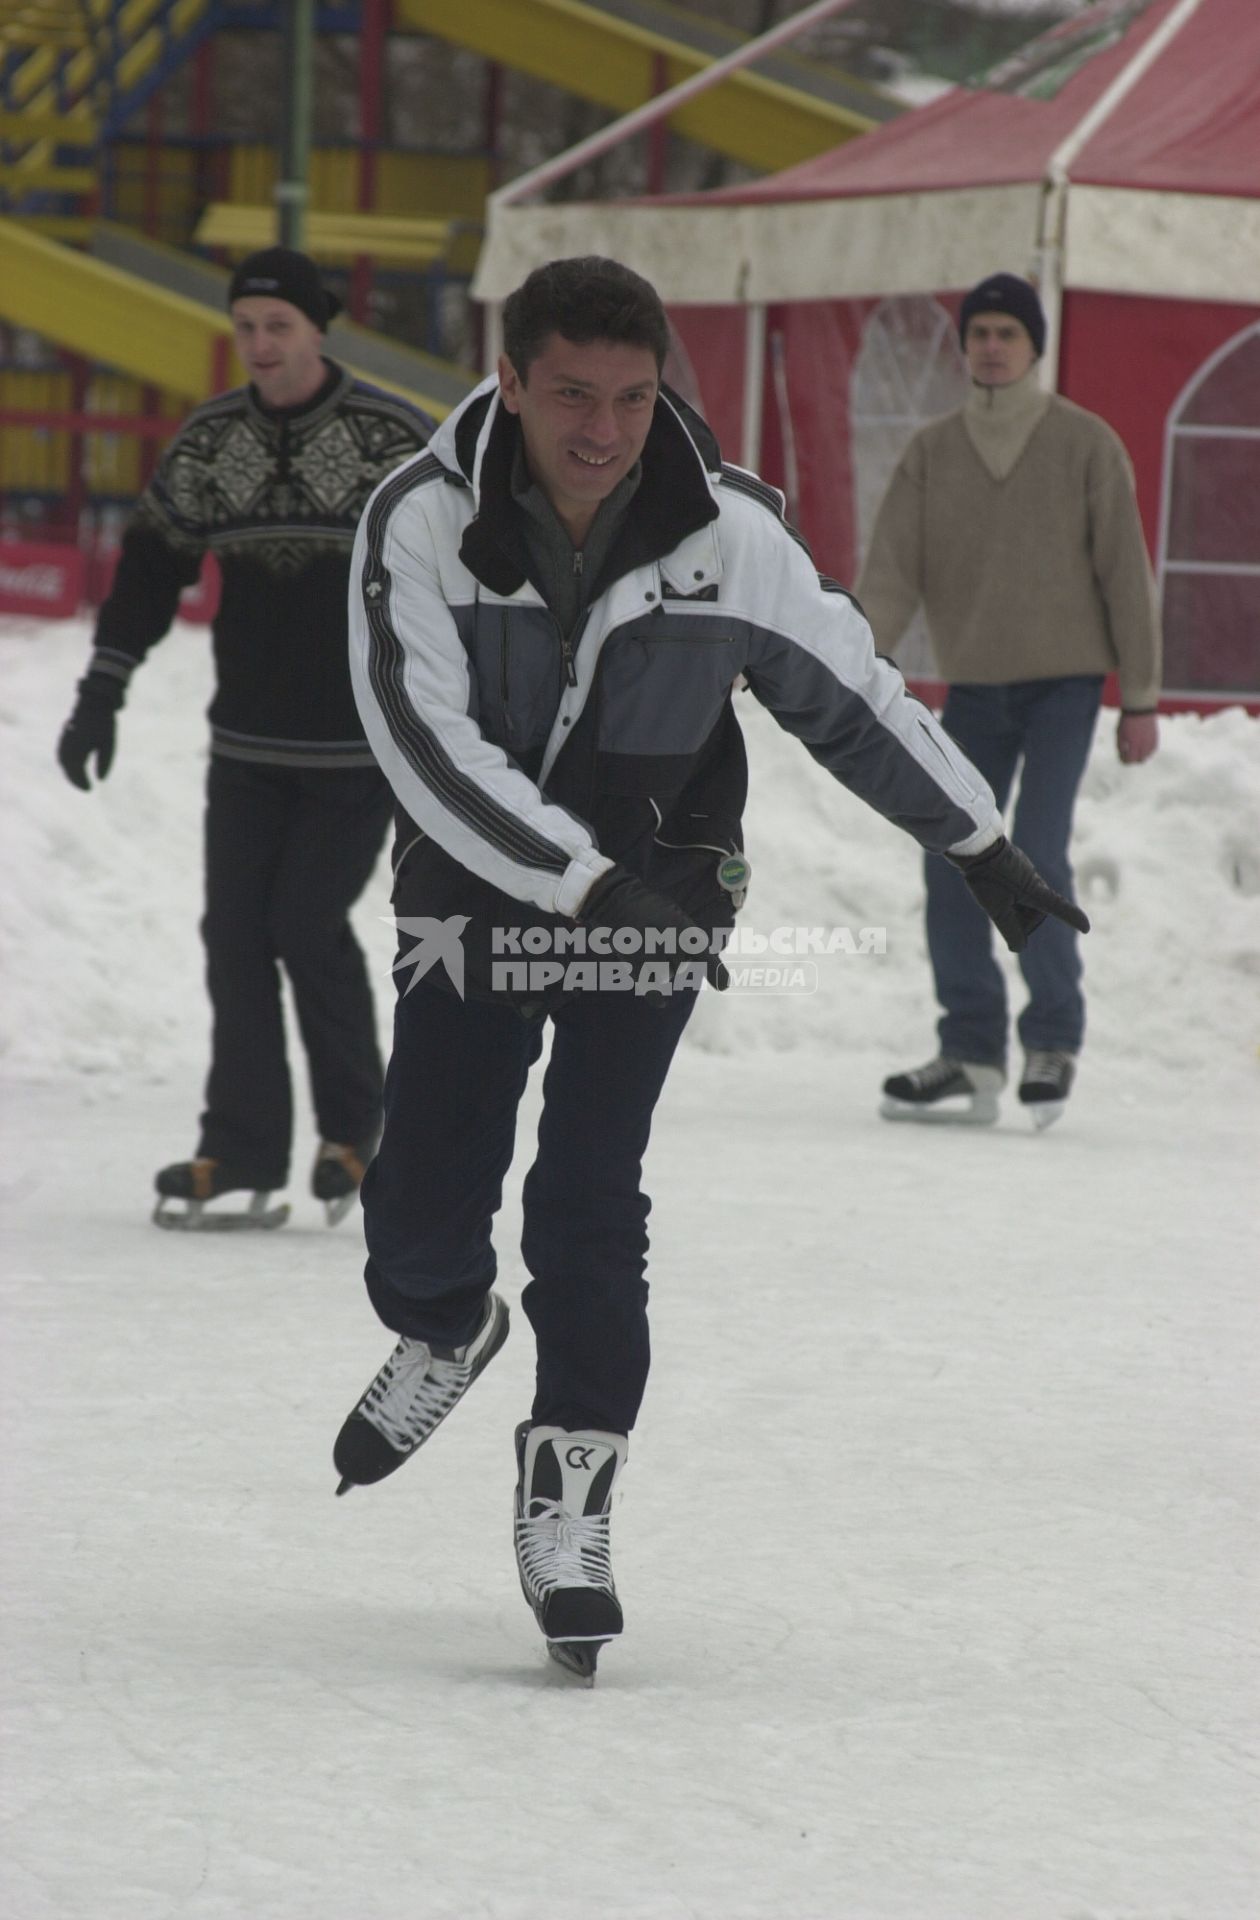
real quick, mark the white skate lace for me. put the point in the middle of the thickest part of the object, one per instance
(556, 1550)
(412, 1394)
(1046, 1067)
(934, 1074)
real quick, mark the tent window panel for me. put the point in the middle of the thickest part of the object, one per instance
(1212, 633)
(1209, 569)
(1214, 512)
(909, 370)
(1230, 395)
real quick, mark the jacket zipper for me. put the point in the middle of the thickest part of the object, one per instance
(504, 656)
(566, 650)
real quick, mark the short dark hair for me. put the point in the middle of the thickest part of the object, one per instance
(583, 299)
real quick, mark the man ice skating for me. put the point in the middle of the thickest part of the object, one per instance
(1013, 520)
(271, 479)
(550, 610)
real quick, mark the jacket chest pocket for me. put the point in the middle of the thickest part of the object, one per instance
(664, 683)
(515, 654)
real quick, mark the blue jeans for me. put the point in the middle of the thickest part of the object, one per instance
(451, 1093)
(1048, 725)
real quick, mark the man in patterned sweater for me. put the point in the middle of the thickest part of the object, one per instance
(271, 479)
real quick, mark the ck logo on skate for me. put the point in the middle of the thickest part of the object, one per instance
(579, 1457)
(436, 940)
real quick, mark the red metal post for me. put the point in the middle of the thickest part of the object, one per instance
(492, 143)
(658, 132)
(150, 407)
(493, 119)
(152, 183)
(203, 118)
(76, 478)
(220, 363)
(371, 93)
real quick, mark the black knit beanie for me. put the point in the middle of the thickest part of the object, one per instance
(1006, 293)
(278, 273)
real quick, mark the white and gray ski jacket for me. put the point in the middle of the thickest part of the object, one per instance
(525, 765)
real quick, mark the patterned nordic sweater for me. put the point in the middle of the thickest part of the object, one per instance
(276, 497)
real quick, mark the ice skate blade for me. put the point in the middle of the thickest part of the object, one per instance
(191, 1216)
(335, 1211)
(578, 1657)
(981, 1111)
(1044, 1112)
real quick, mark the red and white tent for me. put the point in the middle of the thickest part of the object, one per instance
(1116, 161)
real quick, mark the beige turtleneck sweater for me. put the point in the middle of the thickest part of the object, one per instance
(1014, 522)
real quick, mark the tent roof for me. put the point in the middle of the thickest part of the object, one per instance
(1192, 124)
(1154, 127)
(1188, 125)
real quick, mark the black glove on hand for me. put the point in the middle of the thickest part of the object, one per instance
(1013, 893)
(618, 899)
(90, 729)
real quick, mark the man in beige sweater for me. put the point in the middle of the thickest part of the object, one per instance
(1013, 522)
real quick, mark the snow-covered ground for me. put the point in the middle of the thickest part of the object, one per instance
(937, 1545)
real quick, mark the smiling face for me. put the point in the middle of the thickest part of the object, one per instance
(999, 350)
(585, 414)
(281, 349)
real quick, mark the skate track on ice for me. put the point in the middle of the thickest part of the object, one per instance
(937, 1542)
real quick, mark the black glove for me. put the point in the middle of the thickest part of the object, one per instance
(618, 899)
(1013, 893)
(90, 729)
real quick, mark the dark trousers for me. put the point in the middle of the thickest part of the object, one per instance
(1046, 725)
(288, 851)
(454, 1083)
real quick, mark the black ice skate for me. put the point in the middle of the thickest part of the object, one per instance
(337, 1176)
(196, 1182)
(1047, 1082)
(945, 1092)
(564, 1494)
(409, 1399)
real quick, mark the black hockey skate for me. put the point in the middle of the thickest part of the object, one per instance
(945, 1092)
(409, 1399)
(564, 1492)
(1046, 1084)
(196, 1182)
(337, 1176)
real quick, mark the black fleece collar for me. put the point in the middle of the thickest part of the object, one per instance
(673, 500)
(335, 382)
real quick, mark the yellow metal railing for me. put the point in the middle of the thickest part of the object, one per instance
(617, 64)
(388, 240)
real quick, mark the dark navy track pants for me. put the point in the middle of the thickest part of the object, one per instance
(452, 1090)
(288, 852)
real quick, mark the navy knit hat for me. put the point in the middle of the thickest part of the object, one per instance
(278, 273)
(1007, 293)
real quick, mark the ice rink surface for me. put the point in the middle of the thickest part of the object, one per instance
(937, 1543)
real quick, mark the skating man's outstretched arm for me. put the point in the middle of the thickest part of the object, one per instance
(815, 667)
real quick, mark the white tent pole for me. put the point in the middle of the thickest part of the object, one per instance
(1052, 232)
(754, 383)
(492, 336)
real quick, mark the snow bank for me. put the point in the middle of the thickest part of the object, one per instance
(101, 897)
